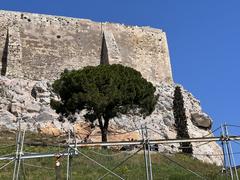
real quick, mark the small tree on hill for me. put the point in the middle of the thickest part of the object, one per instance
(181, 120)
(104, 91)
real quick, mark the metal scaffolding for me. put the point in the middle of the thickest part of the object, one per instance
(72, 149)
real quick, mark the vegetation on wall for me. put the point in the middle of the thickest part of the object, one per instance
(181, 120)
(104, 91)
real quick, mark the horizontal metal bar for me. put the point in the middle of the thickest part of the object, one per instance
(120, 143)
(38, 155)
(159, 141)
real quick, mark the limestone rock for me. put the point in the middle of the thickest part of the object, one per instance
(32, 107)
(46, 116)
(16, 108)
(49, 129)
(40, 92)
(201, 120)
(29, 100)
(8, 120)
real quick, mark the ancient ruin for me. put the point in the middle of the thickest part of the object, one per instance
(38, 47)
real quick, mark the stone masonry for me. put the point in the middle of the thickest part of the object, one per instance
(39, 47)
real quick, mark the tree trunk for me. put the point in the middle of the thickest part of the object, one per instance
(104, 134)
(104, 129)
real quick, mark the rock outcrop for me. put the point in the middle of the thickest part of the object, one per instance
(201, 120)
(28, 101)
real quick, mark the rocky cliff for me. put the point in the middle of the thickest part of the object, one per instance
(29, 100)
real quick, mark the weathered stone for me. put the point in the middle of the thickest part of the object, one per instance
(45, 55)
(202, 120)
(7, 119)
(28, 118)
(32, 107)
(49, 129)
(16, 108)
(40, 92)
(46, 116)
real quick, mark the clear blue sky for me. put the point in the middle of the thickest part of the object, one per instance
(203, 38)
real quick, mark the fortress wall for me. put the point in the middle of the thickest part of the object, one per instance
(49, 44)
(49, 50)
(144, 49)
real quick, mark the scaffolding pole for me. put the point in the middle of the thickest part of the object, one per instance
(69, 158)
(144, 153)
(231, 153)
(18, 142)
(149, 154)
(224, 155)
(227, 151)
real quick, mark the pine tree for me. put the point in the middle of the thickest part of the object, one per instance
(104, 91)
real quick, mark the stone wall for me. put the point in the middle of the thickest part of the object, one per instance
(39, 47)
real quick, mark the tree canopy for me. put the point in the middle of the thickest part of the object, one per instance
(104, 91)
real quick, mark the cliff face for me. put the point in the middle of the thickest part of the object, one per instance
(30, 99)
(34, 46)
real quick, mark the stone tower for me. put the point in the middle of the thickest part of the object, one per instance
(36, 47)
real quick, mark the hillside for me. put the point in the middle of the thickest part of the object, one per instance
(164, 165)
(29, 101)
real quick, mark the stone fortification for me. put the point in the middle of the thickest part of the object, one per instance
(37, 47)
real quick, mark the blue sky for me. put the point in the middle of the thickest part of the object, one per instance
(203, 38)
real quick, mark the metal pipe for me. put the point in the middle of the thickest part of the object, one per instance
(20, 154)
(17, 149)
(231, 154)
(144, 152)
(224, 155)
(228, 153)
(149, 154)
(139, 142)
(159, 141)
(68, 157)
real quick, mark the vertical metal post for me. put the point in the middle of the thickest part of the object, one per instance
(231, 154)
(149, 154)
(224, 155)
(20, 154)
(17, 149)
(23, 170)
(69, 158)
(144, 152)
(228, 153)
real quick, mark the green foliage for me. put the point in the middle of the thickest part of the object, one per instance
(105, 91)
(181, 120)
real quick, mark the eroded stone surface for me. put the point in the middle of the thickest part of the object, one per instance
(125, 127)
(40, 47)
(201, 120)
